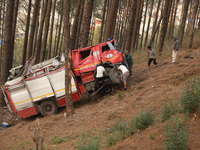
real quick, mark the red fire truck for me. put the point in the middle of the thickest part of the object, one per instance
(40, 88)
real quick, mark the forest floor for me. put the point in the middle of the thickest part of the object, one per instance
(148, 88)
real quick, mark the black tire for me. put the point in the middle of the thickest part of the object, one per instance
(106, 90)
(115, 75)
(48, 107)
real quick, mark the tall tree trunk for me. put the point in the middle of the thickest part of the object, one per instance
(14, 23)
(141, 41)
(26, 33)
(139, 23)
(32, 32)
(183, 20)
(51, 30)
(85, 26)
(147, 32)
(125, 27)
(68, 92)
(131, 25)
(165, 20)
(156, 19)
(135, 26)
(36, 30)
(59, 32)
(79, 27)
(75, 24)
(39, 38)
(191, 33)
(46, 29)
(7, 54)
(189, 18)
(102, 22)
(170, 22)
(55, 41)
(111, 19)
(174, 19)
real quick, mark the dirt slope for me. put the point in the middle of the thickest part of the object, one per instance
(147, 88)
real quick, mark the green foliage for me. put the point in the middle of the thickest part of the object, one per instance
(56, 139)
(168, 109)
(144, 120)
(152, 136)
(119, 131)
(88, 142)
(190, 96)
(120, 94)
(175, 134)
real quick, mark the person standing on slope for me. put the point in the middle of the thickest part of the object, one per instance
(175, 49)
(99, 76)
(129, 61)
(152, 56)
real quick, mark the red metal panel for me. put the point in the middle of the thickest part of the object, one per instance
(27, 112)
(10, 100)
(61, 102)
(81, 88)
(87, 77)
(75, 97)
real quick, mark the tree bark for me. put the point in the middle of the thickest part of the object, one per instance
(174, 19)
(111, 18)
(165, 20)
(7, 53)
(102, 22)
(131, 25)
(85, 27)
(141, 41)
(26, 33)
(75, 24)
(191, 33)
(68, 92)
(40, 34)
(59, 32)
(147, 32)
(79, 28)
(183, 20)
(51, 30)
(189, 18)
(46, 29)
(14, 24)
(32, 32)
(170, 22)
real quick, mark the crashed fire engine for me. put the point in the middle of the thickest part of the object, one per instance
(40, 88)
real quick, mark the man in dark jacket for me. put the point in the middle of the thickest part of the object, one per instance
(175, 49)
(129, 61)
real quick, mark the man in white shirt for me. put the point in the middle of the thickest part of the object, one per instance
(99, 76)
(125, 74)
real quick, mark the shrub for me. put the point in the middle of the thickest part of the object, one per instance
(119, 131)
(56, 139)
(144, 120)
(168, 109)
(190, 96)
(175, 134)
(88, 142)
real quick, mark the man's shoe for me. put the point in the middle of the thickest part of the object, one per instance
(125, 89)
(131, 75)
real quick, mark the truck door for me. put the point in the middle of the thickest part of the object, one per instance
(86, 62)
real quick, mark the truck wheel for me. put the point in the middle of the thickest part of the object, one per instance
(48, 107)
(106, 90)
(115, 75)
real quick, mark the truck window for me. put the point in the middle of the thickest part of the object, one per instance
(107, 47)
(85, 54)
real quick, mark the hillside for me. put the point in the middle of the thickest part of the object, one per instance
(147, 89)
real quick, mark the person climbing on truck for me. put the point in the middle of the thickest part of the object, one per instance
(129, 61)
(125, 74)
(99, 76)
